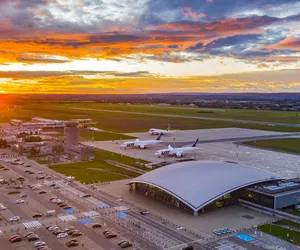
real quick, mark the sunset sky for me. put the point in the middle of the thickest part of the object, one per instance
(149, 46)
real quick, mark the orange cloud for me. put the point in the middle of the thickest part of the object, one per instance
(288, 43)
(74, 83)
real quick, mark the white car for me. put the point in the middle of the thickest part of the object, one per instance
(53, 228)
(39, 243)
(56, 200)
(15, 218)
(19, 201)
(2, 208)
(69, 228)
(180, 228)
(62, 235)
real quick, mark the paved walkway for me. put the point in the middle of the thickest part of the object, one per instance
(121, 165)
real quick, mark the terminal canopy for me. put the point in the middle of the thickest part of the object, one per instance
(198, 183)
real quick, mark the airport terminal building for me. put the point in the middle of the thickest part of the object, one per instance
(199, 186)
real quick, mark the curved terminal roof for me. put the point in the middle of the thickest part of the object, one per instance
(198, 183)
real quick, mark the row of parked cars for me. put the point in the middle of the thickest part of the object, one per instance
(222, 231)
(31, 236)
(60, 203)
(63, 233)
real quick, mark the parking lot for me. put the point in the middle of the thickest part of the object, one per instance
(33, 197)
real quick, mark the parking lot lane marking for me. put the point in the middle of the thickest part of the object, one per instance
(32, 224)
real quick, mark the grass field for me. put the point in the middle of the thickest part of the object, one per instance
(104, 136)
(291, 145)
(121, 122)
(254, 115)
(86, 172)
(282, 233)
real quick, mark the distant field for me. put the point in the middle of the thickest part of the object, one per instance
(104, 136)
(98, 170)
(282, 233)
(291, 145)
(240, 114)
(122, 123)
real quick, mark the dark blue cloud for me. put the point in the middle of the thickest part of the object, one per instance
(157, 10)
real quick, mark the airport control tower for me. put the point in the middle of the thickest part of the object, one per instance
(71, 133)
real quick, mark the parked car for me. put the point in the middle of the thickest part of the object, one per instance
(72, 243)
(16, 239)
(28, 234)
(120, 242)
(19, 201)
(62, 235)
(37, 215)
(33, 237)
(53, 228)
(14, 236)
(39, 244)
(62, 205)
(42, 192)
(126, 244)
(69, 228)
(76, 234)
(23, 195)
(58, 232)
(73, 231)
(67, 207)
(96, 225)
(145, 212)
(15, 218)
(2, 208)
(111, 235)
(86, 196)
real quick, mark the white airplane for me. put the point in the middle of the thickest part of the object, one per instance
(141, 144)
(178, 152)
(156, 131)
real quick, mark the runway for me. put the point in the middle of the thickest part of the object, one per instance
(197, 117)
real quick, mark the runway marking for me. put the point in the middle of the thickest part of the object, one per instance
(31, 224)
(67, 217)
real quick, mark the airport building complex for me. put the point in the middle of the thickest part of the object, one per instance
(72, 147)
(198, 186)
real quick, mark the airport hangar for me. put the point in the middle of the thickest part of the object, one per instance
(198, 186)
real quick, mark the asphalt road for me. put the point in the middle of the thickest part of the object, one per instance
(197, 117)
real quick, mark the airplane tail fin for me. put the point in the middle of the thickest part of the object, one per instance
(170, 147)
(195, 143)
(137, 140)
(158, 138)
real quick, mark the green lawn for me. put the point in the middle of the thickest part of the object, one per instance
(242, 114)
(101, 155)
(87, 176)
(122, 122)
(85, 171)
(104, 136)
(282, 233)
(291, 145)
